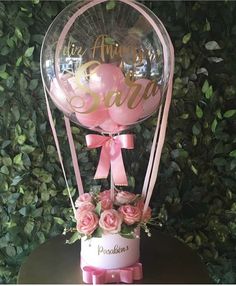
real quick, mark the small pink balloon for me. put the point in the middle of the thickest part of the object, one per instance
(93, 118)
(153, 93)
(59, 97)
(105, 78)
(123, 114)
(109, 126)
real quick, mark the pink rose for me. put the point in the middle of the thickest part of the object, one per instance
(86, 197)
(106, 204)
(85, 206)
(131, 214)
(124, 197)
(105, 195)
(148, 214)
(110, 221)
(87, 222)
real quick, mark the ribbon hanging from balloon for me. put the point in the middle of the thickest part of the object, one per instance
(54, 132)
(111, 155)
(93, 275)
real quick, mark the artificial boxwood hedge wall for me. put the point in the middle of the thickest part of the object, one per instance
(196, 189)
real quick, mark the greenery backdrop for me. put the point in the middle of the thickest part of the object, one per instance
(196, 189)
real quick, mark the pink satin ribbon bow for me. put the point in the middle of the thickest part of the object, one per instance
(111, 155)
(92, 275)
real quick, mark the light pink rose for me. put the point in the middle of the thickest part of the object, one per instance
(110, 221)
(86, 197)
(87, 222)
(124, 197)
(85, 206)
(148, 214)
(106, 204)
(105, 195)
(131, 214)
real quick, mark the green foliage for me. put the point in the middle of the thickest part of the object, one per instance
(196, 187)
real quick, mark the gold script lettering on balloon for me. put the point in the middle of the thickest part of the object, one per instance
(132, 96)
(72, 50)
(101, 49)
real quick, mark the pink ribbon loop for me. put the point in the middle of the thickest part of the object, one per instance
(93, 275)
(111, 155)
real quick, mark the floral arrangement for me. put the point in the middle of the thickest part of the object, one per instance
(97, 214)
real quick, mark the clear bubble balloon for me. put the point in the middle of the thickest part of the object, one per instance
(106, 66)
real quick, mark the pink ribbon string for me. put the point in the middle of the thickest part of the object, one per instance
(74, 156)
(54, 132)
(111, 155)
(158, 141)
(93, 275)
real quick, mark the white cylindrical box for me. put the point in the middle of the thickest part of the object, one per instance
(110, 251)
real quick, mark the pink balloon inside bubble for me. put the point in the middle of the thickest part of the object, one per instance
(109, 126)
(59, 97)
(105, 78)
(93, 118)
(151, 94)
(126, 109)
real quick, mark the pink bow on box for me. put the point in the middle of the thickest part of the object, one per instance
(92, 275)
(111, 155)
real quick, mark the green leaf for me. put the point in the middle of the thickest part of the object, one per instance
(21, 139)
(59, 220)
(29, 52)
(232, 153)
(213, 125)
(23, 211)
(128, 235)
(98, 208)
(74, 238)
(4, 75)
(4, 170)
(4, 51)
(98, 232)
(45, 196)
(18, 34)
(205, 86)
(27, 149)
(209, 92)
(186, 38)
(16, 180)
(229, 113)
(214, 60)
(7, 161)
(18, 159)
(3, 68)
(212, 46)
(33, 84)
(109, 41)
(196, 129)
(207, 26)
(199, 111)
(29, 227)
(219, 161)
(10, 251)
(127, 231)
(193, 168)
(184, 116)
(110, 5)
(19, 60)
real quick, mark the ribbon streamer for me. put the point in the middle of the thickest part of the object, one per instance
(74, 156)
(93, 275)
(54, 133)
(111, 155)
